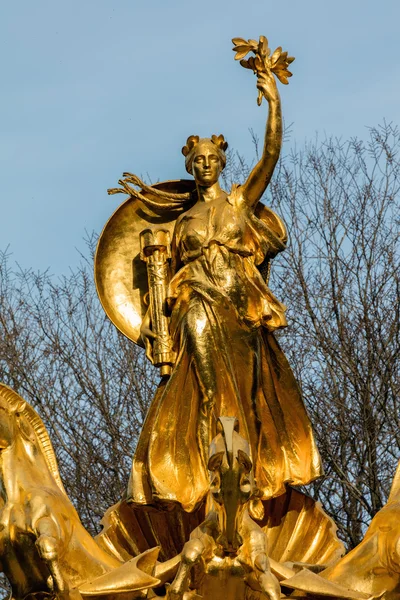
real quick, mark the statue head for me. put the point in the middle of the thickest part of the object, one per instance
(205, 158)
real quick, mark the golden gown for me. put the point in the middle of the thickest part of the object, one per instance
(228, 364)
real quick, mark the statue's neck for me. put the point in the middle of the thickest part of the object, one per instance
(209, 193)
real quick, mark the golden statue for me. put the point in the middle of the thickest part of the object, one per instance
(223, 357)
(182, 268)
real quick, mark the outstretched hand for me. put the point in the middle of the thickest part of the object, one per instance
(266, 84)
(264, 64)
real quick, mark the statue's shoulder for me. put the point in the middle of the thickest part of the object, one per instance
(236, 196)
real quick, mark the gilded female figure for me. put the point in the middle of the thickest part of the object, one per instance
(222, 319)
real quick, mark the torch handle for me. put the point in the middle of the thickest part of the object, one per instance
(155, 253)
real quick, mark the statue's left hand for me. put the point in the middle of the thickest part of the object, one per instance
(148, 336)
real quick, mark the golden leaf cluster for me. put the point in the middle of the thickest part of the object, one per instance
(262, 60)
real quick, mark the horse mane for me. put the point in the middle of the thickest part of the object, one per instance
(42, 437)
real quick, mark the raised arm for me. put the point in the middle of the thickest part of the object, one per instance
(261, 174)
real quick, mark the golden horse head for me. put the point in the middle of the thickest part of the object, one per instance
(44, 548)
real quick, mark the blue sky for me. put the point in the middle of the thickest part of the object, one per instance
(91, 88)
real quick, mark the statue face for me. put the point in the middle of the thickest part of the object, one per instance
(206, 167)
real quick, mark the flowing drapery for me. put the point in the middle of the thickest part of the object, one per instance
(228, 364)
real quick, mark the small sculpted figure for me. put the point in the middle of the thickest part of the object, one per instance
(227, 555)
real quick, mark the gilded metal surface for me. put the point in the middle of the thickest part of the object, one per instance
(293, 528)
(120, 274)
(178, 270)
(371, 570)
(155, 252)
(373, 567)
(43, 546)
(118, 584)
(221, 321)
(297, 530)
(313, 585)
(228, 552)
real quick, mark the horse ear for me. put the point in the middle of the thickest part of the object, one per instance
(215, 461)
(245, 461)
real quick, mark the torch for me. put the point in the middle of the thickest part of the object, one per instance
(155, 251)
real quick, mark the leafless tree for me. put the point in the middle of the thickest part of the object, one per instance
(88, 382)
